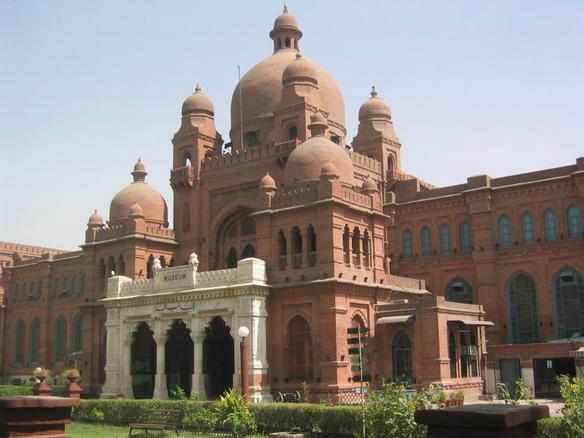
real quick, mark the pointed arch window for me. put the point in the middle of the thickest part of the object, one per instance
(248, 251)
(522, 309)
(34, 341)
(232, 258)
(407, 244)
(569, 303)
(149, 264)
(459, 291)
(402, 358)
(574, 221)
(527, 230)
(19, 343)
(445, 246)
(60, 339)
(549, 225)
(299, 350)
(356, 241)
(292, 132)
(311, 238)
(426, 238)
(111, 266)
(465, 237)
(346, 244)
(77, 335)
(282, 250)
(287, 42)
(296, 248)
(505, 231)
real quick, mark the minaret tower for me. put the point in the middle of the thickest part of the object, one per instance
(286, 32)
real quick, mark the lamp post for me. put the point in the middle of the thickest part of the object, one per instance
(243, 332)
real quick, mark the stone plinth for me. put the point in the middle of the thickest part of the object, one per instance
(35, 416)
(73, 390)
(483, 421)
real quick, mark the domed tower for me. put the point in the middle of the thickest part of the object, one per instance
(196, 139)
(376, 137)
(257, 116)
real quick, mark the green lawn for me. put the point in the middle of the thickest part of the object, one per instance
(83, 430)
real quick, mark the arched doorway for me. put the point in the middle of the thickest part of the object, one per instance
(218, 358)
(143, 362)
(402, 358)
(299, 351)
(179, 358)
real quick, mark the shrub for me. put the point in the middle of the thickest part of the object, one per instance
(232, 412)
(572, 391)
(390, 412)
(520, 394)
(551, 428)
(15, 390)
(71, 373)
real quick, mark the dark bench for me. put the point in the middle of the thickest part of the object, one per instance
(161, 420)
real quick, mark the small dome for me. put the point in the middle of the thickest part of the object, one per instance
(198, 103)
(306, 162)
(152, 204)
(374, 108)
(136, 210)
(369, 185)
(286, 21)
(267, 182)
(300, 70)
(95, 219)
(329, 171)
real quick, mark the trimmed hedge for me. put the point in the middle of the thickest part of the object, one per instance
(15, 390)
(551, 428)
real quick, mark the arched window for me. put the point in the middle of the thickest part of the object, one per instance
(459, 291)
(252, 139)
(232, 258)
(149, 270)
(60, 339)
(407, 244)
(287, 42)
(162, 261)
(426, 237)
(77, 342)
(346, 239)
(74, 285)
(522, 309)
(19, 343)
(335, 139)
(34, 341)
(402, 357)
(65, 289)
(111, 266)
(549, 225)
(292, 132)
(279, 43)
(527, 231)
(390, 165)
(574, 221)
(188, 159)
(248, 226)
(282, 250)
(464, 235)
(296, 241)
(356, 241)
(311, 239)
(505, 231)
(248, 251)
(445, 246)
(186, 217)
(452, 354)
(299, 350)
(366, 248)
(569, 303)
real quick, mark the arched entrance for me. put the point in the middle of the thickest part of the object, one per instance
(143, 362)
(402, 358)
(179, 358)
(218, 359)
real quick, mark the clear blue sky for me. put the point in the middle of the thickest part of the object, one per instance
(86, 87)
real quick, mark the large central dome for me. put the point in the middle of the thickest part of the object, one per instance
(261, 87)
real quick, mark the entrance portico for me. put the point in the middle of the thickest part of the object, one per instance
(178, 325)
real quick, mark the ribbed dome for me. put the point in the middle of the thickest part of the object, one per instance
(267, 182)
(198, 103)
(374, 108)
(150, 201)
(95, 219)
(306, 162)
(261, 89)
(299, 70)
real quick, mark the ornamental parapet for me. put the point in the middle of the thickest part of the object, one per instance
(186, 278)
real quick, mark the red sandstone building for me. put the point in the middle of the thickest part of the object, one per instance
(466, 285)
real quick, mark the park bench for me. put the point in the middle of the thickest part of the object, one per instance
(160, 420)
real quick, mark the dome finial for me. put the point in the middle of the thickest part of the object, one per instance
(373, 91)
(285, 11)
(197, 88)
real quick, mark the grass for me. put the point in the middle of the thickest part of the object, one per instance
(87, 430)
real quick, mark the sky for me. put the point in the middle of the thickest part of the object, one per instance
(86, 87)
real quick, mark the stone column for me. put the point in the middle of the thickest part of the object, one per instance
(126, 365)
(198, 335)
(112, 387)
(160, 389)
